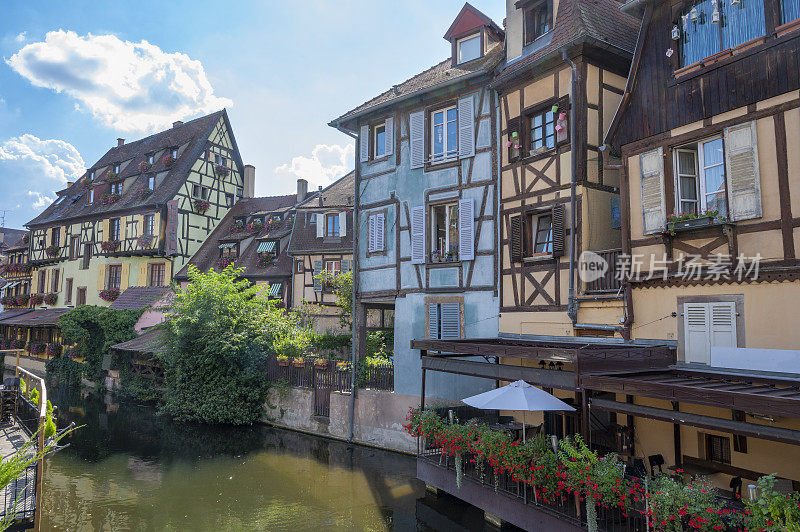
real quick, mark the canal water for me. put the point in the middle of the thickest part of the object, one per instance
(128, 469)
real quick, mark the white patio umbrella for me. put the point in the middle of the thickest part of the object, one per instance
(518, 395)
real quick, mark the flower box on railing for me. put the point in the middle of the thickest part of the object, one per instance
(109, 246)
(110, 198)
(201, 206)
(321, 363)
(52, 251)
(283, 361)
(222, 171)
(298, 362)
(144, 166)
(110, 294)
(168, 160)
(36, 299)
(145, 241)
(51, 298)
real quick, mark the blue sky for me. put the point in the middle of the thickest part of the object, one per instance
(75, 75)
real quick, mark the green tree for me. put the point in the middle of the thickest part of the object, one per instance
(342, 285)
(219, 331)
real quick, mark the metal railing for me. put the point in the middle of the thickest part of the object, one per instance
(19, 496)
(336, 375)
(609, 282)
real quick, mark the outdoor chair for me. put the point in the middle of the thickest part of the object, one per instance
(656, 460)
(736, 487)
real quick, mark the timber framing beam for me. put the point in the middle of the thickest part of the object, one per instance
(563, 380)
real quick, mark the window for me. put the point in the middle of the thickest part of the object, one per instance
(239, 192)
(228, 200)
(538, 20)
(444, 319)
(332, 225)
(42, 280)
(543, 131)
(379, 138)
(74, 247)
(55, 236)
(87, 255)
(700, 178)
(91, 175)
(710, 26)
(151, 182)
(543, 237)
(91, 195)
(790, 10)
(444, 232)
(80, 296)
(151, 158)
(55, 280)
(444, 134)
(114, 276)
(298, 265)
(174, 153)
(116, 169)
(200, 192)
(377, 238)
(469, 48)
(113, 229)
(116, 188)
(706, 325)
(718, 448)
(156, 277)
(68, 294)
(220, 160)
(148, 224)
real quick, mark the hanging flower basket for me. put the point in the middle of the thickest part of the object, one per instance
(201, 206)
(51, 298)
(22, 300)
(144, 166)
(109, 198)
(52, 251)
(168, 160)
(222, 171)
(321, 363)
(36, 299)
(109, 246)
(144, 241)
(298, 362)
(265, 260)
(111, 175)
(283, 360)
(110, 294)
(224, 262)
(237, 227)
(255, 226)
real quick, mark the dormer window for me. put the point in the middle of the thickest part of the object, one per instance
(150, 159)
(116, 188)
(174, 153)
(469, 48)
(116, 169)
(151, 182)
(91, 175)
(538, 19)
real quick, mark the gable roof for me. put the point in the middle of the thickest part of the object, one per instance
(138, 297)
(339, 195)
(206, 257)
(438, 76)
(190, 137)
(600, 22)
(149, 342)
(11, 237)
(468, 19)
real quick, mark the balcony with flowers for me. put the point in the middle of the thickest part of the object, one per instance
(16, 271)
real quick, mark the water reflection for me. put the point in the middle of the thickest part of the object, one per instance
(128, 469)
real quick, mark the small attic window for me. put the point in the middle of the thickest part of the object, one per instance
(538, 19)
(469, 48)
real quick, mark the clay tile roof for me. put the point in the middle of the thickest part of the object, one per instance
(37, 318)
(150, 341)
(304, 234)
(138, 297)
(189, 137)
(601, 21)
(6, 314)
(11, 237)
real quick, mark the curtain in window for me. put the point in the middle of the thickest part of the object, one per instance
(700, 37)
(742, 22)
(790, 10)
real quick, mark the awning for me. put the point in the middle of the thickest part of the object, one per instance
(6, 286)
(275, 290)
(227, 245)
(268, 247)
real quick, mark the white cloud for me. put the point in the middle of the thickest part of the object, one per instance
(31, 170)
(20, 37)
(128, 86)
(326, 164)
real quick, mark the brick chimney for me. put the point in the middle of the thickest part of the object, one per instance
(249, 181)
(302, 189)
(120, 142)
(177, 123)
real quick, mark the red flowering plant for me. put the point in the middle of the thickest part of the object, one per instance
(36, 299)
(224, 262)
(22, 300)
(109, 246)
(110, 197)
(109, 294)
(144, 192)
(168, 160)
(144, 166)
(265, 260)
(52, 251)
(37, 349)
(201, 205)
(237, 226)
(51, 298)
(677, 506)
(144, 241)
(773, 510)
(274, 223)
(111, 174)
(255, 226)
(222, 170)
(53, 350)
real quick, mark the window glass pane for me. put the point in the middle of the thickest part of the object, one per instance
(742, 22)
(700, 37)
(544, 235)
(688, 188)
(712, 153)
(453, 228)
(380, 141)
(790, 10)
(469, 49)
(438, 117)
(452, 137)
(438, 140)
(686, 164)
(439, 228)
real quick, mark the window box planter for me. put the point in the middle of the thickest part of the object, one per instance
(321, 363)
(283, 361)
(224, 262)
(679, 226)
(109, 198)
(52, 251)
(36, 299)
(222, 171)
(110, 294)
(144, 241)
(168, 160)
(201, 206)
(22, 300)
(298, 362)
(265, 261)
(255, 226)
(144, 166)
(109, 246)
(51, 298)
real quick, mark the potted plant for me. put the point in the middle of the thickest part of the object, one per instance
(298, 362)
(201, 205)
(36, 299)
(144, 166)
(436, 256)
(168, 160)
(686, 221)
(221, 170)
(109, 198)
(109, 246)
(283, 360)
(51, 298)
(109, 294)
(321, 363)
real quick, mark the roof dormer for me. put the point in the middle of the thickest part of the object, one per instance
(471, 35)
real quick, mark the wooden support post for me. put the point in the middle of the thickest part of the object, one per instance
(585, 420)
(631, 428)
(16, 369)
(676, 435)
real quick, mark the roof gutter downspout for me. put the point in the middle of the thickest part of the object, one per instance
(572, 305)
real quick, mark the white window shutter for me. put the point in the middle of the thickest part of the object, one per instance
(451, 321)
(345, 266)
(320, 220)
(742, 175)
(418, 235)
(317, 271)
(416, 124)
(371, 240)
(654, 210)
(433, 321)
(342, 224)
(466, 127)
(389, 136)
(466, 229)
(363, 144)
(380, 232)
(722, 317)
(696, 333)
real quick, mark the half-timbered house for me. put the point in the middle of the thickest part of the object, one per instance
(425, 202)
(708, 143)
(138, 214)
(16, 273)
(322, 248)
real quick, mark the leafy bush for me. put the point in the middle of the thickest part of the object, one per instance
(65, 370)
(773, 510)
